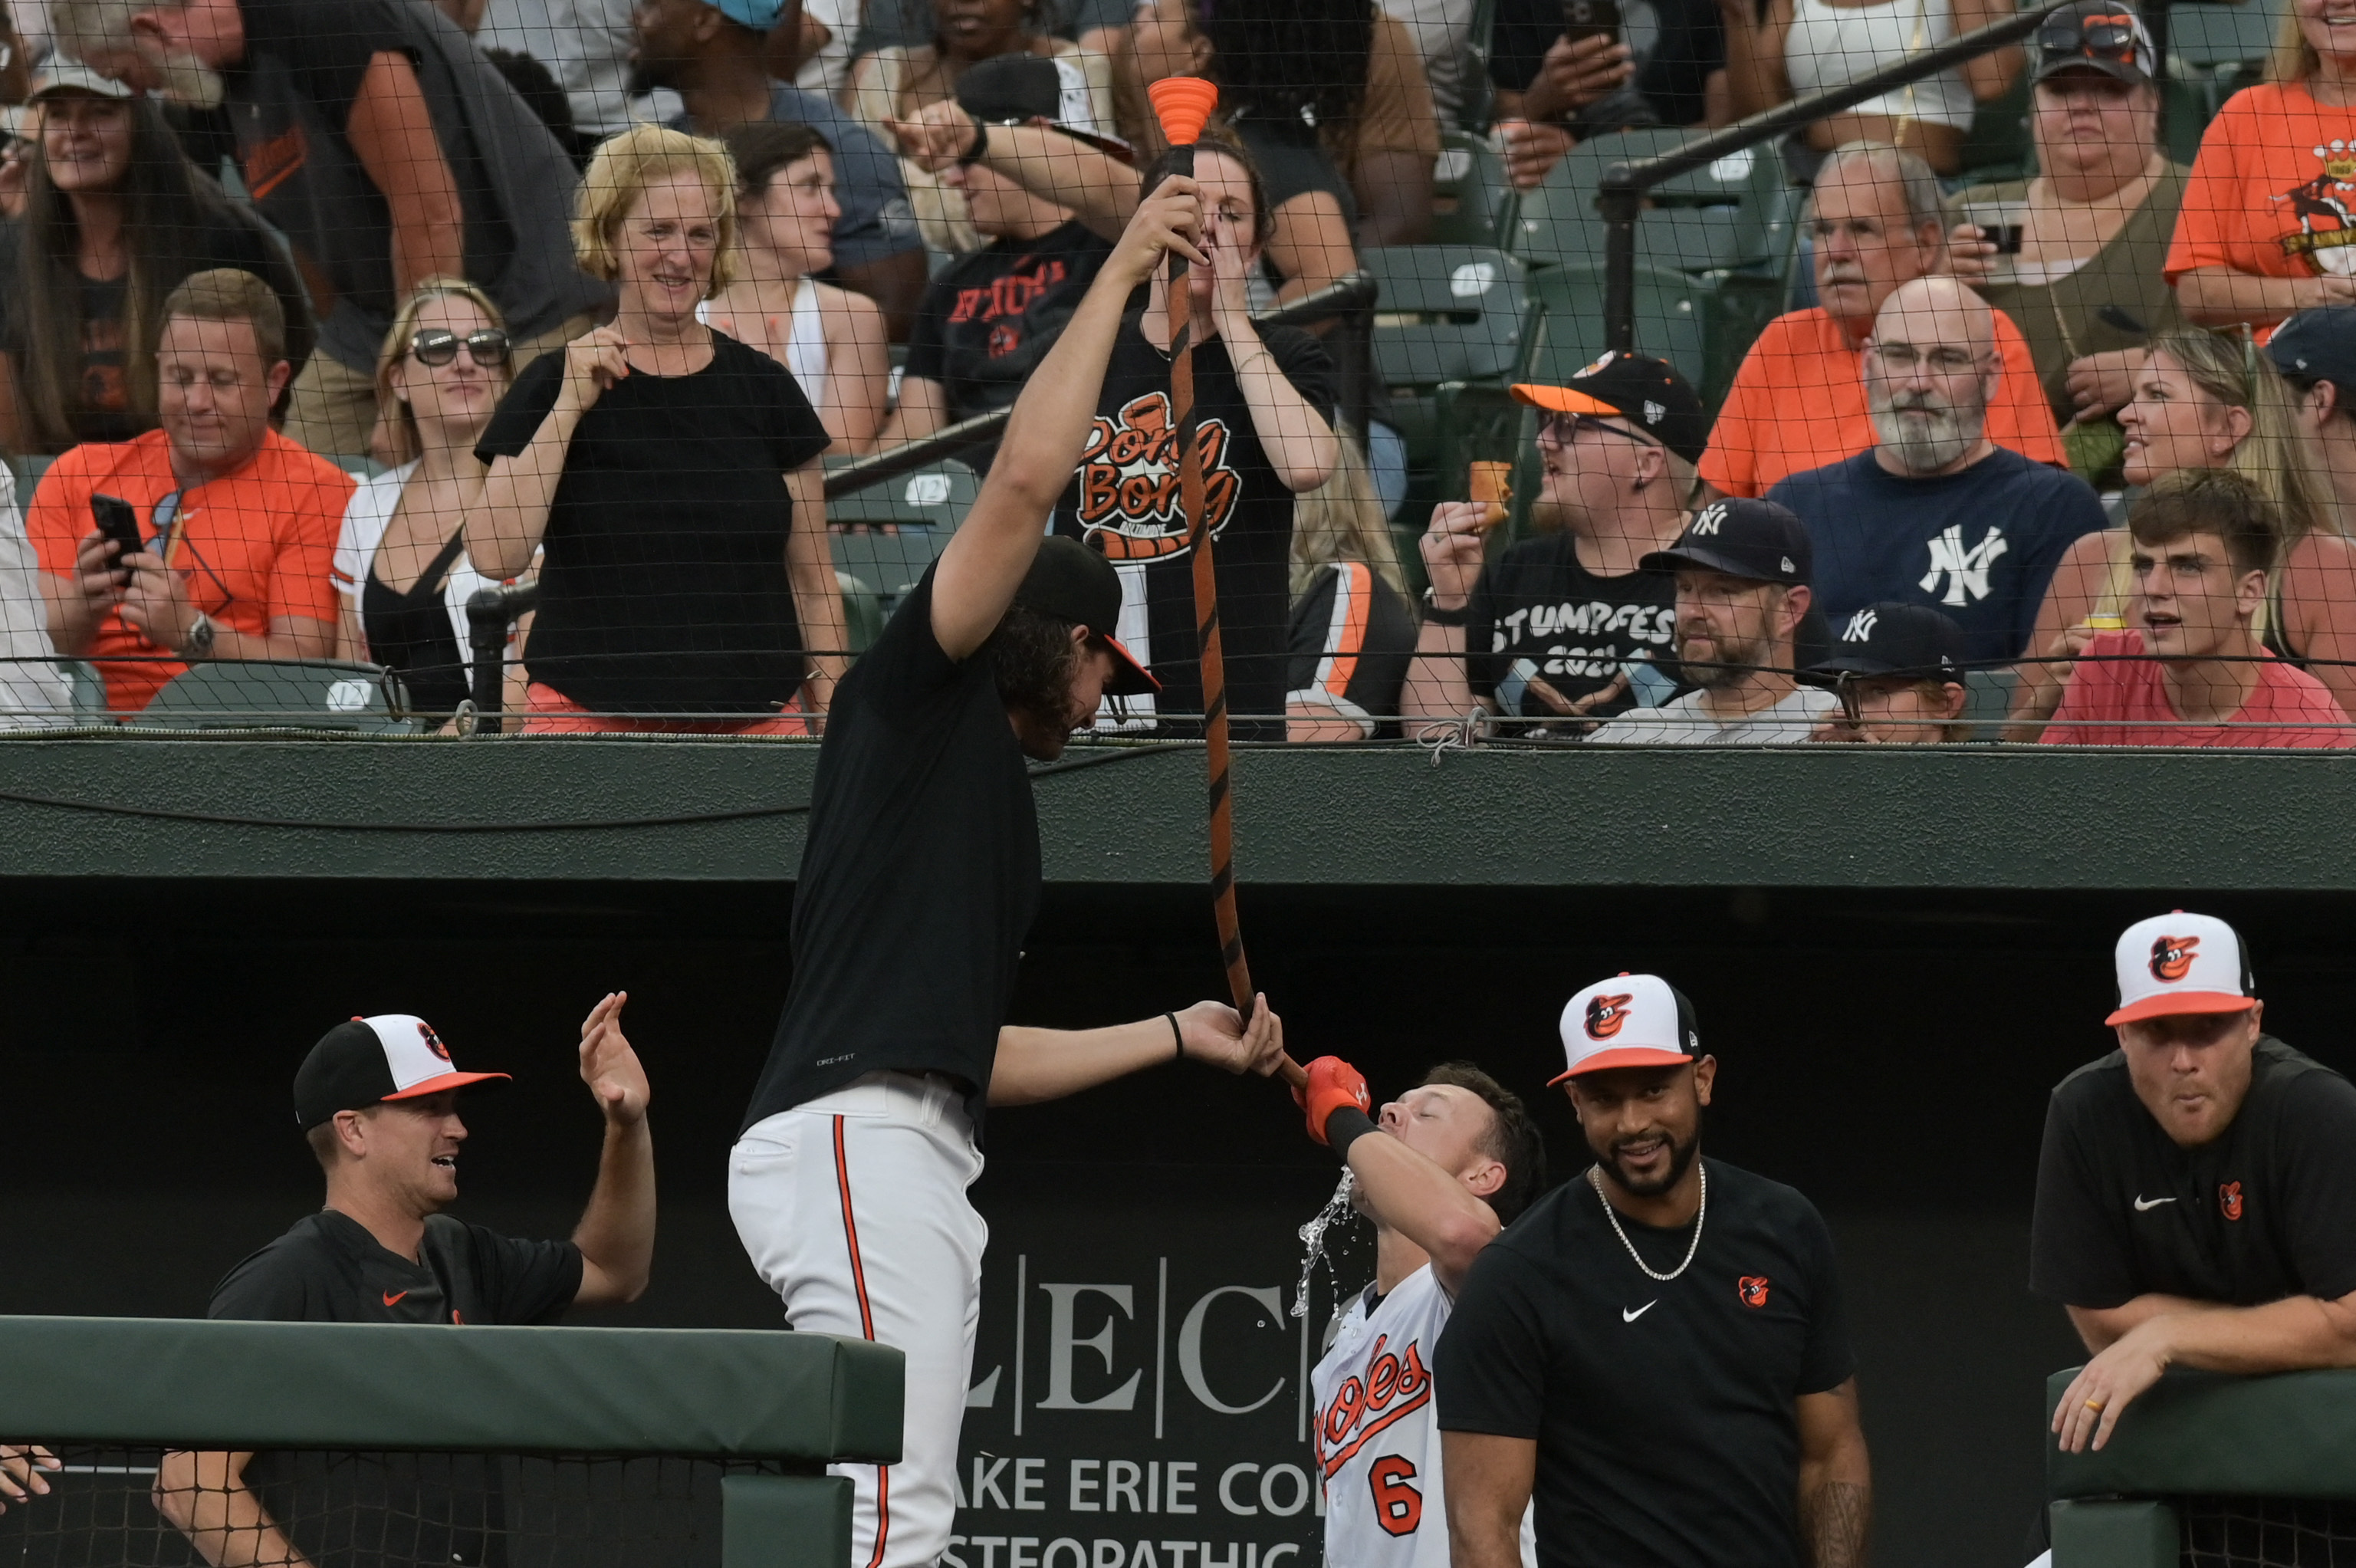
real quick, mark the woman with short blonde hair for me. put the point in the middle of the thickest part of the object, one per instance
(670, 476)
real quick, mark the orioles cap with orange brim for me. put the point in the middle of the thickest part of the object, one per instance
(367, 1061)
(2177, 962)
(1630, 1020)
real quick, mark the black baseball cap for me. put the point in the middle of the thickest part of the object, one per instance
(2319, 345)
(1649, 394)
(1071, 582)
(394, 1055)
(2095, 35)
(1742, 538)
(1891, 639)
(1027, 89)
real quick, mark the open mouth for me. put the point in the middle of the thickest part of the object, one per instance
(446, 1161)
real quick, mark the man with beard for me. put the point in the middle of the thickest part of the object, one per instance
(1741, 572)
(712, 55)
(1937, 514)
(388, 150)
(1877, 218)
(1559, 627)
(919, 879)
(1656, 1351)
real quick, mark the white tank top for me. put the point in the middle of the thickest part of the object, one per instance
(805, 341)
(1378, 1433)
(1828, 45)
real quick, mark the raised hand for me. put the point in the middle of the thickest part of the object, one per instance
(1169, 220)
(1333, 1084)
(935, 137)
(593, 362)
(1213, 1032)
(1453, 548)
(609, 1067)
(21, 1467)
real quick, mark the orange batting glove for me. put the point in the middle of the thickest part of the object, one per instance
(1333, 1084)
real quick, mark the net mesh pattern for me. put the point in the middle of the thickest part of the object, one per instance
(2267, 1532)
(116, 1508)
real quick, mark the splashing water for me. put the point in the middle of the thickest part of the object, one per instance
(1312, 1239)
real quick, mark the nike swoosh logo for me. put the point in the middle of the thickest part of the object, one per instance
(390, 1297)
(1628, 1316)
(2146, 1205)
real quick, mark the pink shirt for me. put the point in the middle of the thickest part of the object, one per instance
(2124, 701)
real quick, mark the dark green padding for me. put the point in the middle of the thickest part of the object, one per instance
(2130, 1532)
(768, 1521)
(706, 1393)
(2290, 1436)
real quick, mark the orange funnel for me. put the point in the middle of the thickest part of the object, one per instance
(1181, 104)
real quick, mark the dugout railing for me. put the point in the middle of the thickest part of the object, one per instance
(2206, 1470)
(756, 1416)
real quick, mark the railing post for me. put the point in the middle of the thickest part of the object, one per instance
(1617, 197)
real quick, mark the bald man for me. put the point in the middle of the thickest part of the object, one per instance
(1936, 512)
(1876, 218)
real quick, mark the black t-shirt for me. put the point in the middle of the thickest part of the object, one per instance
(1677, 43)
(919, 878)
(375, 1510)
(1124, 500)
(1535, 610)
(1353, 638)
(664, 587)
(1292, 161)
(2264, 1211)
(1662, 1412)
(989, 319)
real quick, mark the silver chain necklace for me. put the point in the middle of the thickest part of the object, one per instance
(1595, 1180)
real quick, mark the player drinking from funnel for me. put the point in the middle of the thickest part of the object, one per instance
(1656, 1351)
(1452, 1161)
(918, 881)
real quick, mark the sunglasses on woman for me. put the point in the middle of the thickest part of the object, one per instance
(2092, 37)
(436, 347)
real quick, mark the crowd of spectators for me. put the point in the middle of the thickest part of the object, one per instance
(361, 305)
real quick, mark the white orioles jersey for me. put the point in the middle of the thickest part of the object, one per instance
(1378, 1433)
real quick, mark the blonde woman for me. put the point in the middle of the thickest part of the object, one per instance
(401, 561)
(2202, 401)
(1353, 628)
(832, 341)
(671, 475)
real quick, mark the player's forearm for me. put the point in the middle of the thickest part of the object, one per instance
(1415, 1196)
(1836, 1513)
(2099, 1327)
(1488, 1479)
(2293, 1335)
(1051, 419)
(616, 1233)
(204, 1495)
(1036, 1065)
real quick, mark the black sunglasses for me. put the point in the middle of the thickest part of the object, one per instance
(2095, 37)
(488, 347)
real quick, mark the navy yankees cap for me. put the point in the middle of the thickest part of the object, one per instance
(394, 1055)
(1071, 582)
(2319, 345)
(1891, 639)
(1742, 538)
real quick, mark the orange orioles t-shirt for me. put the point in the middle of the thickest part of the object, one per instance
(256, 545)
(1798, 402)
(2273, 189)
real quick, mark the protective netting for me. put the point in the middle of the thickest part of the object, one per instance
(2267, 1532)
(138, 1507)
(589, 367)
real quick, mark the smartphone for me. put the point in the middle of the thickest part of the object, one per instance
(118, 520)
(2005, 237)
(1590, 19)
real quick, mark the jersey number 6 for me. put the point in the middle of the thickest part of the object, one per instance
(1397, 1506)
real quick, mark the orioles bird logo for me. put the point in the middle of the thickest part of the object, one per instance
(2171, 957)
(1605, 1014)
(2229, 1199)
(433, 1041)
(1754, 1288)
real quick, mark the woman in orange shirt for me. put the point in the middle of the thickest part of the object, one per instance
(2268, 225)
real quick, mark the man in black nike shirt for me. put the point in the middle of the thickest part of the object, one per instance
(2196, 1196)
(1656, 1351)
(378, 1101)
(1566, 628)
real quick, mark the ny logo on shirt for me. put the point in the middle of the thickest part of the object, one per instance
(1966, 570)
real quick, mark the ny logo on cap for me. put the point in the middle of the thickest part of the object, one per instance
(1707, 524)
(1860, 626)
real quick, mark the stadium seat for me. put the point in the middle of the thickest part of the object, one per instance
(1738, 213)
(29, 471)
(88, 689)
(863, 612)
(1997, 146)
(1447, 315)
(1472, 199)
(1704, 326)
(1987, 697)
(320, 695)
(922, 508)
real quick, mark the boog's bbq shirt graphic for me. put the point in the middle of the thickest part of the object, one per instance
(2272, 192)
(1124, 500)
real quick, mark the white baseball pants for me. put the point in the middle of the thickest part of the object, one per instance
(854, 1207)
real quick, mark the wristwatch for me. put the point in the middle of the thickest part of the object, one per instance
(1460, 616)
(199, 641)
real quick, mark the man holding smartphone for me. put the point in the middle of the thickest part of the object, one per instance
(235, 523)
(1566, 628)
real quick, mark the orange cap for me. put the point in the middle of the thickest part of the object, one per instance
(1181, 104)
